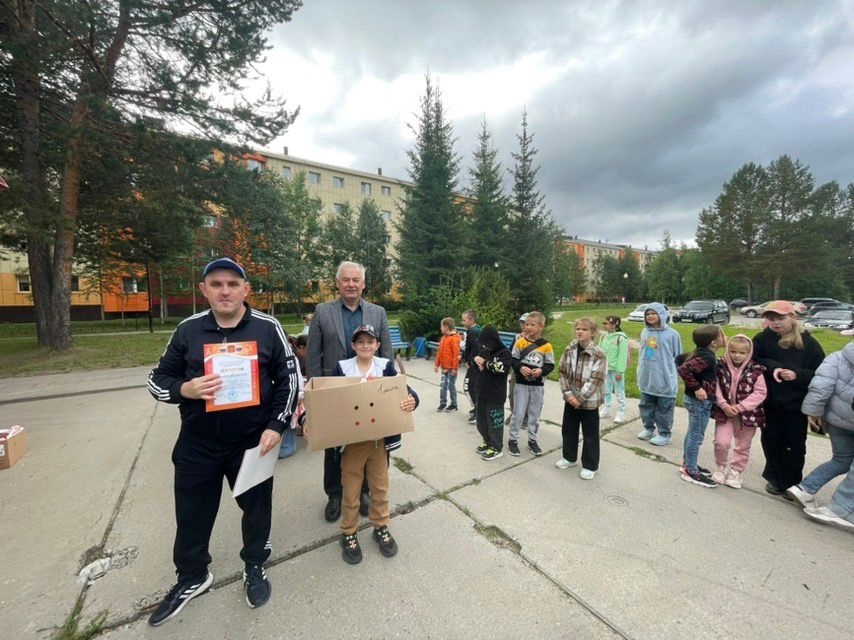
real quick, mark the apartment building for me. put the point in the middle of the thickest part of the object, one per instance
(591, 250)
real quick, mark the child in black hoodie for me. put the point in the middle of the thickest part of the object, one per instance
(494, 361)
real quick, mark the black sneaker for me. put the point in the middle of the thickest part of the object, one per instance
(388, 547)
(364, 504)
(481, 448)
(440, 408)
(178, 596)
(255, 585)
(513, 447)
(451, 408)
(534, 448)
(352, 552)
(699, 479)
(704, 471)
(472, 419)
(491, 454)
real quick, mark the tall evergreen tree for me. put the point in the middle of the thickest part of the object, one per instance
(430, 225)
(568, 277)
(64, 65)
(339, 241)
(634, 285)
(533, 232)
(665, 274)
(731, 232)
(488, 237)
(372, 239)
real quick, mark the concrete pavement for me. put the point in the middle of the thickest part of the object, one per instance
(501, 549)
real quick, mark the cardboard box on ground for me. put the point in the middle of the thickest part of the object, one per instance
(13, 445)
(342, 410)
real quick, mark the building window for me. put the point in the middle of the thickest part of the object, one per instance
(254, 165)
(286, 173)
(386, 191)
(75, 283)
(130, 284)
(313, 177)
(338, 182)
(386, 215)
(338, 207)
(209, 222)
(366, 188)
(23, 284)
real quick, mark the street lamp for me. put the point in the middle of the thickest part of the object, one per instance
(626, 287)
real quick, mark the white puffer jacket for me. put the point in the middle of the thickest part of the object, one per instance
(831, 391)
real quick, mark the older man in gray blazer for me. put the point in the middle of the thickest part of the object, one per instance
(330, 340)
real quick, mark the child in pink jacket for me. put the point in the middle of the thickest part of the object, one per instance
(738, 410)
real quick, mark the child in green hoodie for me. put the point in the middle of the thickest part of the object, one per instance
(615, 344)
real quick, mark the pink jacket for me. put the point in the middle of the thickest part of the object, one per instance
(742, 386)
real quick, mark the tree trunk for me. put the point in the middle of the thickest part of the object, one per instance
(777, 281)
(164, 310)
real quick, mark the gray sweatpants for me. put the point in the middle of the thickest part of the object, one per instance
(527, 402)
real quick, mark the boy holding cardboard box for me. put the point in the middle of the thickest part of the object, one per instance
(369, 457)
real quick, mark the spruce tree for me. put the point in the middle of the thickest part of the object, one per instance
(430, 226)
(372, 235)
(530, 254)
(488, 220)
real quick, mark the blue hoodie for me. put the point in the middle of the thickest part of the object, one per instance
(659, 347)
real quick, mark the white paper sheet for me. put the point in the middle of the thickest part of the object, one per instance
(255, 469)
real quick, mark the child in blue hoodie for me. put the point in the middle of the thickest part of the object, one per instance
(656, 374)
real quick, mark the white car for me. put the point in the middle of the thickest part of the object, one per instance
(637, 314)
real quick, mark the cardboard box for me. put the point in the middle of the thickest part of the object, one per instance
(13, 445)
(341, 410)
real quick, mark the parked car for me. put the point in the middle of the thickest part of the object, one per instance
(836, 319)
(737, 303)
(637, 314)
(703, 311)
(811, 301)
(756, 310)
(827, 306)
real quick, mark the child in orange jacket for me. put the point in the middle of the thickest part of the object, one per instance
(448, 360)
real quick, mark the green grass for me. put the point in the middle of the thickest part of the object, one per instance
(560, 334)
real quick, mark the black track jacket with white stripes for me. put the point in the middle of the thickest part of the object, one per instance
(183, 360)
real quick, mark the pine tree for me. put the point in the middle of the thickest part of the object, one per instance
(488, 237)
(430, 225)
(530, 254)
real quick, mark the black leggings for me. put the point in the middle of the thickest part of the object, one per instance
(784, 443)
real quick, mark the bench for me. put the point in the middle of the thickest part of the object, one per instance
(508, 338)
(397, 341)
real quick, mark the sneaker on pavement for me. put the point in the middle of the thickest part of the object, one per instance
(586, 474)
(619, 418)
(491, 454)
(451, 408)
(604, 412)
(824, 514)
(534, 448)
(733, 479)
(440, 408)
(178, 596)
(472, 419)
(773, 489)
(351, 551)
(333, 508)
(256, 587)
(646, 434)
(704, 471)
(563, 463)
(699, 479)
(481, 448)
(387, 545)
(513, 447)
(719, 475)
(805, 498)
(660, 440)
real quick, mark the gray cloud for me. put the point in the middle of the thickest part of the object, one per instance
(663, 101)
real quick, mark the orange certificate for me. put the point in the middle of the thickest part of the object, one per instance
(237, 364)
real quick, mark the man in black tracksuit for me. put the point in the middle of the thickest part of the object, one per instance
(211, 445)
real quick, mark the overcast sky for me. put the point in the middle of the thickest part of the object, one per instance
(640, 110)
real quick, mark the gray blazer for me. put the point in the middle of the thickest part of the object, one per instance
(327, 343)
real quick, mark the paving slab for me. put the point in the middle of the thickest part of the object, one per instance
(58, 500)
(663, 559)
(60, 384)
(447, 581)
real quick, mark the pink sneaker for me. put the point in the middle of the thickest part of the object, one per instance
(733, 479)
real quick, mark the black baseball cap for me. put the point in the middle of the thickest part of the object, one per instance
(223, 263)
(365, 328)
